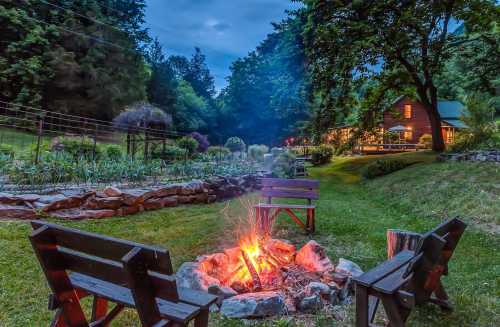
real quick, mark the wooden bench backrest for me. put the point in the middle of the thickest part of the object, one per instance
(289, 188)
(432, 256)
(120, 262)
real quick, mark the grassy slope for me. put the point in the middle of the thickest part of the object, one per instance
(352, 219)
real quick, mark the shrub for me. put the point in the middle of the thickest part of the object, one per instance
(479, 118)
(7, 150)
(202, 140)
(425, 139)
(322, 155)
(114, 152)
(276, 151)
(188, 143)
(173, 153)
(256, 152)
(78, 147)
(235, 144)
(383, 167)
(284, 165)
(218, 152)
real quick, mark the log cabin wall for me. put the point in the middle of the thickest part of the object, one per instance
(417, 125)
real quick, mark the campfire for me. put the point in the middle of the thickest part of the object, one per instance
(263, 276)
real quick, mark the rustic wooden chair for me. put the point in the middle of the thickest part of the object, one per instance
(79, 264)
(410, 278)
(306, 189)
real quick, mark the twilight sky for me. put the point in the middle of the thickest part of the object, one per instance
(223, 29)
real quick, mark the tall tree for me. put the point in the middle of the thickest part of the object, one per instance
(267, 95)
(348, 40)
(162, 84)
(83, 58)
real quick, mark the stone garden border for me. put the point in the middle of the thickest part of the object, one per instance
(113, 201)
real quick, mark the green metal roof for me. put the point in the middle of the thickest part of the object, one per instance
(457, 123)
(450, 109)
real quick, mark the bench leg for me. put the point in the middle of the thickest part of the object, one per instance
(441, 298)
(311, 228)
(202, 318)
(362, 319)
(99, 308)
(58, 320)
(396, 313)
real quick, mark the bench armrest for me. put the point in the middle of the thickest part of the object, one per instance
(384, 269)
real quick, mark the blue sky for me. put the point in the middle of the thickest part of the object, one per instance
(223, 29)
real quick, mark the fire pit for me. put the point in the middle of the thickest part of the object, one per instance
(263, 277)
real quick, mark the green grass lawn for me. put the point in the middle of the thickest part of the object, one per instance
(352, 218)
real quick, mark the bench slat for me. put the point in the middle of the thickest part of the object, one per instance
(289, 193)
(387, 267)
(106, 247)
(290, 206)
(292, 183)
(180, 312)
(393, 282)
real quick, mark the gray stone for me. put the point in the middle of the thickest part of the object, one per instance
(254, 305)
(222, 292)
(18, 199)
(168, 190)
(46, 199)
(348, 268)
(191, 276)
(317, 288)
(311, 303)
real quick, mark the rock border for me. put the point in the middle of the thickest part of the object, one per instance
(472, 156)
(112, 201)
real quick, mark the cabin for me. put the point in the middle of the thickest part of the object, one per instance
(410, 120)
(403, 126)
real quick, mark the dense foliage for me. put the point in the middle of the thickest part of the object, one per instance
(321, 155)
(266, 99)
(383, 167)
(363, 53)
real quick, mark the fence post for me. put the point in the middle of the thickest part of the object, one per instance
(39, 139)
(95, 143)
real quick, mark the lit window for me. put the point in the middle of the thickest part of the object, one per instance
(407, 111)
(408, 135)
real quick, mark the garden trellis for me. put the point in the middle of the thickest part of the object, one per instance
(40, 123)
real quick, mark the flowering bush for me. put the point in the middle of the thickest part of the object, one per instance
(202, 140)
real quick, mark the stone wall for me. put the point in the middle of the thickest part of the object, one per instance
(112, 201)
(474, 156)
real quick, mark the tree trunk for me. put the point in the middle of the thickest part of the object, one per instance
(398, 241)
(434, 117)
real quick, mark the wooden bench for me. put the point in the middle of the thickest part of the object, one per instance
(410, 278)
(306, 189)
(78, 264)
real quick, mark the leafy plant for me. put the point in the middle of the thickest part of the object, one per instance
(425, 140)
(7, 150)
(114, 152)
(78, 147)
(481, 124)
(235, 144)
(188, 143)
(284, 165)
(219, 152)
(322, 155)
(383, 167)
(256, 152)
(202, 140)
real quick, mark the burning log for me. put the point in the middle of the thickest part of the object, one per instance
(257, 286)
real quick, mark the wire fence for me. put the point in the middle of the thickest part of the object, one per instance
(38, 163)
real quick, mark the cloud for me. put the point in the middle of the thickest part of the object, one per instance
(223, 29)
